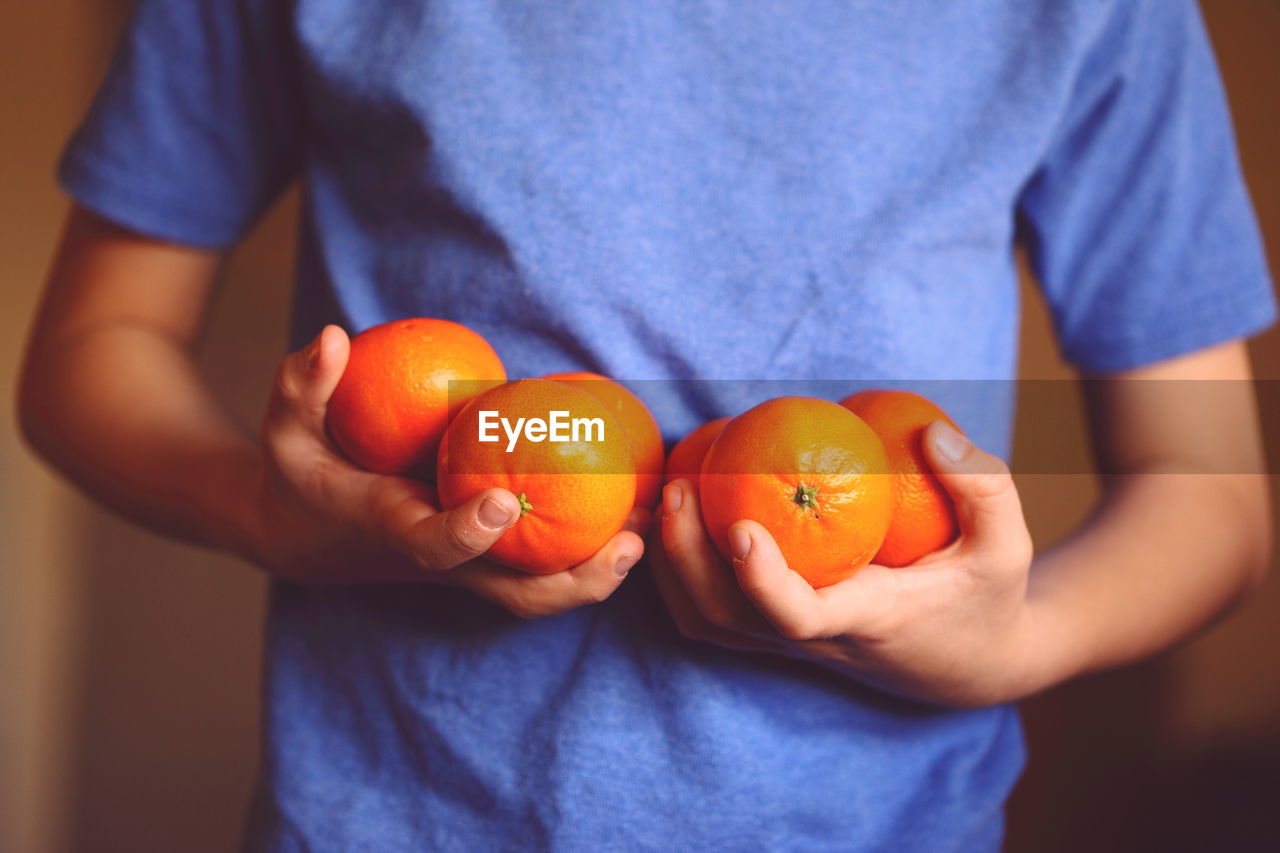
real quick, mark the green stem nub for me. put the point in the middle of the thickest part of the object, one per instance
(807, 497)
(525, 506)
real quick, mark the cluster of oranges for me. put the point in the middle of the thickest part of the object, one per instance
(411, 401)
(837, 485)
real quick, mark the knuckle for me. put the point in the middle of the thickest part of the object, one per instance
(382, 523)
(291, 470)
(994, 481)
(426, 559)
(384, 510)
(993, 464)
(798, 630)
(521, 611)
(287, 387)
(679, 541)
(597, 593)
(677, 550)
(594, 588)
(426, 552)
(462, 540)
(529, 609)
(756, 591)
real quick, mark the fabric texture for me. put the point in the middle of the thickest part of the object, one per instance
(800, 197)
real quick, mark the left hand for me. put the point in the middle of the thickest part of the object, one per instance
(953, 628)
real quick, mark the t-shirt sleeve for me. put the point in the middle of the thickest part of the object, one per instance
(1138, 222)
(196, 127)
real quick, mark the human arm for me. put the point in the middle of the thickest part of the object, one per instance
(1185, 509)
(1182, 531)
(111, 396)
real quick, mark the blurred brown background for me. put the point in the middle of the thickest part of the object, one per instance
(129, 665)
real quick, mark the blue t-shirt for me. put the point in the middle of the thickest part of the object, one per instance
(673, 190)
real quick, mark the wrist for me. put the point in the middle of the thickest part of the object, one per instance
(1052, 645)
(243, 491)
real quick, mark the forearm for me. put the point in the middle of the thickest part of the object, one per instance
(112, 397)
(121, 409)
(1164, 554)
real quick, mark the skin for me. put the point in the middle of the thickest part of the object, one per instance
(980, 622)
(111, 396)
(1179, 536)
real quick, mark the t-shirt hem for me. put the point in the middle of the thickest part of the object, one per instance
(1205, 324)
(110, 194)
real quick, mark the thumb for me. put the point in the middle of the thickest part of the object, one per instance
(307, 378)
(437, 541)
(980, 485)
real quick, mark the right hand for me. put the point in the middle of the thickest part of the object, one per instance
(317, 518)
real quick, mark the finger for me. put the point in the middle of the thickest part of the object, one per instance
(639, 521)
(536, 596)
(876, 601)
(438, 541)
(784, 598)
(689, 620)
(980, 485)
(306, 379)
(867, 605)
(699, 566)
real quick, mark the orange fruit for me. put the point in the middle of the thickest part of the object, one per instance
(642, 430)
(393, 402)
(924, 518)
(812, 473)
(685, 459)
(574, 495)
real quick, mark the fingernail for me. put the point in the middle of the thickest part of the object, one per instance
(671, 499)
(625, 563)
(951, 444)
(494, 515)
(739, 543)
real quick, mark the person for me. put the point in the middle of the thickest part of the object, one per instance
(667, 191)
